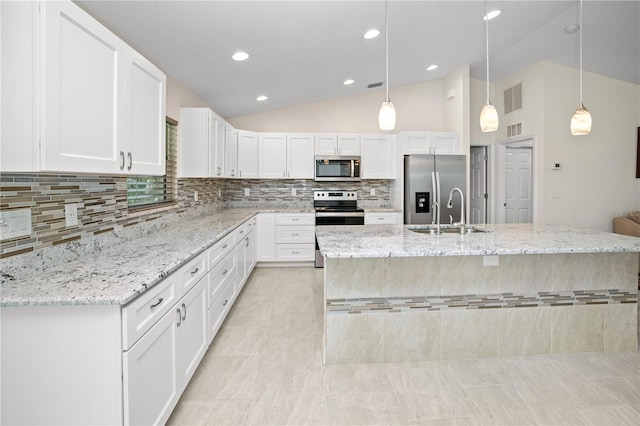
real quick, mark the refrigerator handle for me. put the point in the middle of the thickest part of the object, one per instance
(434, 197)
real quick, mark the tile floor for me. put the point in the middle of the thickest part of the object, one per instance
(264, 368)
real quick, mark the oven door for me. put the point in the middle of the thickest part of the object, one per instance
(337, 218)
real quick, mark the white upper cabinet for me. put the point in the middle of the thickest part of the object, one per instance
(300, 148)
(377, 154)
(90, 104)
(286, 156)
(440, 143)
(348, 144)
(231, 151)
(217, 151)
(19, 76)
(273, 155)
(328, 144)
(202, 143)
(247, 154)
(84, 92)
(145, 112)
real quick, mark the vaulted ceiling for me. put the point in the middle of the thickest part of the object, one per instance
(303, 51)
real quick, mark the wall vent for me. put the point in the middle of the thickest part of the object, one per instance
(513, 98)
(372, 85)
(514, 130)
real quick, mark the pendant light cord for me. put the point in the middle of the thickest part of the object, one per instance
(580, 54)
(486, 25)
(386, 47)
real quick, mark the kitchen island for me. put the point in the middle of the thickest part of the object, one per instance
(395, 295)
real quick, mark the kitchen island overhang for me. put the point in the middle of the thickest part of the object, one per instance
(393, 295)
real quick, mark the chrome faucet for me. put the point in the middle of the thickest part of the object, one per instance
(460, 224)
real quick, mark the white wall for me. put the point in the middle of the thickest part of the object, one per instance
(597, 180)
(418, 107)
(179, 96)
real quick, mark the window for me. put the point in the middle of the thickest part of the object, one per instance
(153, 191)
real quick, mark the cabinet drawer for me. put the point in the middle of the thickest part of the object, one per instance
(219, 309)
(141, 314)
(295, 252)
(295, 219)
(381, 218)
(191, 273)
(243, 230)
(220, 249)
(295, 234)
(221, 274)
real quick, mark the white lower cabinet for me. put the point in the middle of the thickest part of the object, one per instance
(150, 376)
(286, 237)
(192, 333)
(266, 237)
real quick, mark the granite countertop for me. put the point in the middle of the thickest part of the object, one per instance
(381, 209)
(118, 273)
(502, 239)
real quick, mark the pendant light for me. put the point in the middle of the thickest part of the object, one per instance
(581, 120)
(387, 114)
(488, 115)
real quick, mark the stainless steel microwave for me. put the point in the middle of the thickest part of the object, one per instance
(337, 168)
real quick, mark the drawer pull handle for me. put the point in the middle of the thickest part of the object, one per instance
(225, 272)
(179, 317)
(295, 235)
(225, 302)
(295, 219)
(242, 232)
(295, 252)
(381, 218)
(184, 315)
(224, 247)
(155, 305)
(195, 271)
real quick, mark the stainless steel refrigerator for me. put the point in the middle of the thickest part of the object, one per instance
(430, 178)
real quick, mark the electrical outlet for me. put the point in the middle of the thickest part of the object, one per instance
(491, 260)
(294, 192)
(219, 192)
(15, 223)
(195, 195)
(373, 192)
(247, 192)
(70, 214)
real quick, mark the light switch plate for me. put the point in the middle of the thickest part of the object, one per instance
(247, 192)
(70, 214)
(373, 192)
(293, 192)
(195, 195)
(15, 223)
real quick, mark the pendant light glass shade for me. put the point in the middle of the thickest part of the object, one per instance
(488, 115)
(581, 122)
(488, 118)
(387, 116)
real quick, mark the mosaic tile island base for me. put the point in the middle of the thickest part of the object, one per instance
(393, 295)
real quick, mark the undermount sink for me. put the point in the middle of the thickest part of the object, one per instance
(446, 229)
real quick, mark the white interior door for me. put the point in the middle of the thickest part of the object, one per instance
(479, 187)
(518, 189)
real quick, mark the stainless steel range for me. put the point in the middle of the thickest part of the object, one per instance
(336, 208)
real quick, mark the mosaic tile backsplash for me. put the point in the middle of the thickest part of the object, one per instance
(102, 202)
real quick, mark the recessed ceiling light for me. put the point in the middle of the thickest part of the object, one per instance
(371, 34)
(240, 56)
(262, 98)
(491, 14)
(348, 82)
(432, 67)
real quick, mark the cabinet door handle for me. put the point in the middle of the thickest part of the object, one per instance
(179, 317)
(130, 160)
(225, 302)
(184, 315)
(239, 173)
(225, 272)
(122, 160)
(247, 240)
(155, 305)
(195, 271)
